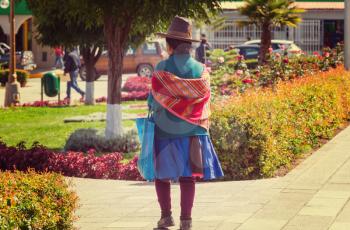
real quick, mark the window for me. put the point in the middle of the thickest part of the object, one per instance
(130, 51)
(251, 52)
(149, 48)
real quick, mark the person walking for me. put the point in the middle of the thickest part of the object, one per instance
(179, 102)
(59, 57)
(202, 49)
(71, 66)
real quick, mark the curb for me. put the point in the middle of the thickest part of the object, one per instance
(41, 74)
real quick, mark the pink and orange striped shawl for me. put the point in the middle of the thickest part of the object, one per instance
(187, 99)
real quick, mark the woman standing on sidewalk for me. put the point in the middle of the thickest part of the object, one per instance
(180, 104)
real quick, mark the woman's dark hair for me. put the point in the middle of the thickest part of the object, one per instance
(179, 46)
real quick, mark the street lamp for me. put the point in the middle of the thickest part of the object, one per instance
(347, 35)
(12, 86)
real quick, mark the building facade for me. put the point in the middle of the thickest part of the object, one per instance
(322, 25)
(25, 31)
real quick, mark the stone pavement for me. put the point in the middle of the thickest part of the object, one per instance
(313, 196)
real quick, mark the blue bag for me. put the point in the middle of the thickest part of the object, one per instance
(145, 163)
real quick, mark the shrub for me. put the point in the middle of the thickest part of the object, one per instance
(77, 164)
(86, 139)
(45, 103)
(106, 166)
(137, 84)
(29, 200)
(257, 133)
(234, 77)
(22, 77)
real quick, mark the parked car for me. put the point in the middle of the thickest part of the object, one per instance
(24, 59)
(141, 60)
(276, 45)
(248, 51)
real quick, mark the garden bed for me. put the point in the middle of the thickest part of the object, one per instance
(263, 130)
(70, 163)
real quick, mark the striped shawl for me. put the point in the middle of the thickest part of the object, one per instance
(187, 99)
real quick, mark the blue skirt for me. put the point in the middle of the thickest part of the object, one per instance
(172, 158)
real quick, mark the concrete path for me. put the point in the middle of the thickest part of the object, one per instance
(313, 196)
(32, 92)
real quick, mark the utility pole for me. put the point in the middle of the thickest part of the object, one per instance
(347, 35)
(12, 86)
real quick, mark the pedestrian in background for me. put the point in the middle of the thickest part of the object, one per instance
(183, 150)
(201, 50)
(71, 66)
(59, 57)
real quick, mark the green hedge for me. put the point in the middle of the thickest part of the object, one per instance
(22, 77)
(261, 131)
(35, 201)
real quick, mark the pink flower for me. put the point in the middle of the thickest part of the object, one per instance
(240, 57)
(283, 47)
(285, 60)
(278, 55)
(316, 53)
(326, 54)
(270, 50)
(239, 72)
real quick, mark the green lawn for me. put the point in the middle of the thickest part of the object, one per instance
(46, 125)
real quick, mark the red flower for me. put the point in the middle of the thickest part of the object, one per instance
(248, 81)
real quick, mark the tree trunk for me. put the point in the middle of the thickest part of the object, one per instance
(90, 56)
(115, 38)
(265, 42)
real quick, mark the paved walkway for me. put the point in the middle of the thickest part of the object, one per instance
(32, 92)
(313, 196)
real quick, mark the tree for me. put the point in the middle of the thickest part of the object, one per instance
(56, 25)
(266, 14)
(129, 23)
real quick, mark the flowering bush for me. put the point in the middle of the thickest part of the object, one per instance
(128, 96)
(30, 200)
(137, 84)
(45, 103)
(236, 78)
(257, 133)
(78, 164)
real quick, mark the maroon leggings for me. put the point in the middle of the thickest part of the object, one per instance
(187, 187)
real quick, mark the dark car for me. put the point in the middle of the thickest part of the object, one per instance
(24, 59)
(248, 51)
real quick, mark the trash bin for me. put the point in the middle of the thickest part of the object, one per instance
(51, 86)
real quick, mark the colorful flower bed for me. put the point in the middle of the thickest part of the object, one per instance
(232, 76)
(257, 133)
(30, 200)
(45, 103)
(76, 164)
(137, 84)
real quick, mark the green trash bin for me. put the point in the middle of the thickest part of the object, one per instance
(50, 85)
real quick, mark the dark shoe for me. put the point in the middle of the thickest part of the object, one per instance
(166, 222)
(185, 224)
